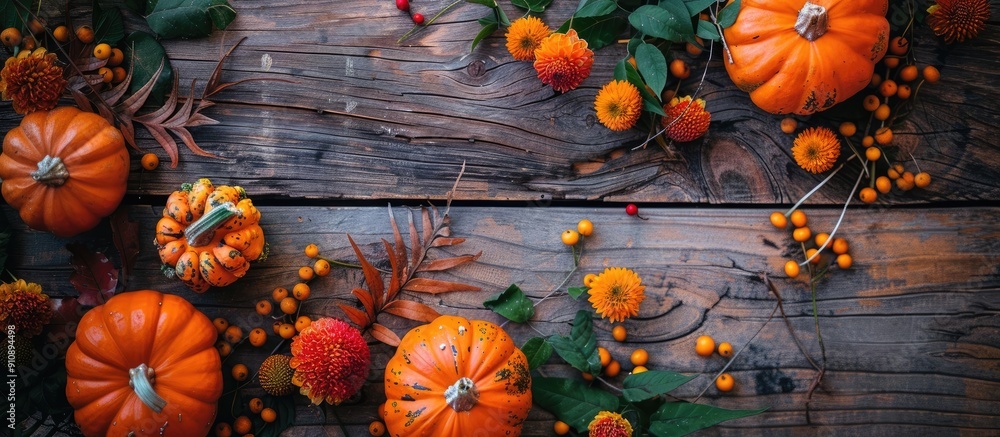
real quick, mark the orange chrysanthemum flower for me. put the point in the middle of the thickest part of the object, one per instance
(25, 307)
(958, 20)
(617, 293)
(524, 36)
(686, 121)
(816, 149)
(609, 424)
(331, 361)
(563, 61)
(618, 105)
(33, 82)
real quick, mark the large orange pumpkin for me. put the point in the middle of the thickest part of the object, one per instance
(797, 56)
(64, 170)
(208, 235)
(456, 377)
(144, 363)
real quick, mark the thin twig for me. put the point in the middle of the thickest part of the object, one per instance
(836, 226)
(788, 323)
(737, 354)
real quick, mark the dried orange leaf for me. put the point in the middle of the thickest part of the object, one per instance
(357, 316)
(395, 279)
(366, 301)
(412, 310)
(435, 286)
(416, 247)
(400, 248)
(374, 280)
(428, 225)
(446, 241)
(385, 335)
(447, 263)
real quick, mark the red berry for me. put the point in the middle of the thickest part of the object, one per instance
(631, 209)
(418, 18)
(403, 5)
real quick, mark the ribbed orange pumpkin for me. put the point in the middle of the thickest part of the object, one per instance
(456, 377)
(144, 363)
(796, 56)
(208, 235)
(64, 170)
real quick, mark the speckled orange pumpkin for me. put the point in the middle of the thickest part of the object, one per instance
(456, 377)
(797, 56)
(144, 363)
(208, 235)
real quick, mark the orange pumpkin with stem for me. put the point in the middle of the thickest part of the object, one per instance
(64, 170)
(144, 363)
(208, 235)
(457, 377)
(796, 56)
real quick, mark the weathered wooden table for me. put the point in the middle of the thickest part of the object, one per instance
(911, 331)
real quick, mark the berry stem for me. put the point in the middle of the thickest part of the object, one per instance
(836, 226)
(428, 22)
(817, 187)
(728, 363)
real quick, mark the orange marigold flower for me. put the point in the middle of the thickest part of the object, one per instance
(524, 36)
(616, 294)
(563, 60)
(618, 105)
(33, 83)
(958, 20)
(816, 149)
(25, 307)
(331, 361)
(686, 121)
(609, 424)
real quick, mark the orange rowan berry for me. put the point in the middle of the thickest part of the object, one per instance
(560, 428)
(585, 227)
(587, 376)
(224, 348)
(904, 185)
(871, 102)
(891, 61)
(779, 220)
(810, 255)
(256, 405)
(639, 369)
(28, 44)
(619, 333)
(222, 429)
(904, 92)
(922, 179)
(704, 345)
(306, 273)
(840, 246)
(613, 369)
(312, 250)
(868, 195)
(289, 305)
(263, 307)
(639, 357)
(117, 57)
(257, 337)
(279, 293)
(268, 415)
(821, 238)
(876, 80)
(882, 112)
(589, 279)
(570, 237)
(300, 291)
(106, 74)
(883, 184)
(873, 153)
(908, 176)
(221, 324)
(605, 356)
(679, 69)
(801, 234)
(844, 261)
(931, 74)
(883, 136)
(791, 269)
(150, 161)
(302, 323)
(242, 425)
(799, 218)
(868, 141)
(725, 382)
(85, 34)
(725, 349)
(11, 37)
(899, 45)
(102, 51)
(908, 73)
(286, 331)
(36, 26)
(233, 334)
(276, 326)
(694, 49)
(887, 88)
(321, 267)
(377, 429)
(848, 129)
(240, 372)
(789, 125)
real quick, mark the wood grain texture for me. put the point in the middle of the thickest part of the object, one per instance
(911, 332)
(370, 118)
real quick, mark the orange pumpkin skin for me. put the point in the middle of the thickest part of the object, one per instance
(786, 72)
(172, 338)
(433, 358)
(83, 180)
(229, 245)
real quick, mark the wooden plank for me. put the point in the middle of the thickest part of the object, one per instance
(910, 330)
(370, 118)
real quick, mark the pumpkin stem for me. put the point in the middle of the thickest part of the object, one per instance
(141, 380)
(202, 230)
(462, 395)
(812, 21)
(51, 171)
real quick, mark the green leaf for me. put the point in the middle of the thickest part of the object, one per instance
(597, 31)
(652, 66)
(532, 5)
(728, 14)
(580, 348)
(620, 74)
(14, 15)
(502, 17)
(682, 418)
(537, 350)
(650, 102)
(596, 8)
(487, 3)
(108, 25)
(641, 386)
(511, 303)
(487, 30)
(189, 18)
(571, 401)
(707, 31)
(668, 21)
(694, 7)
(148, 54)
(576, 292)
